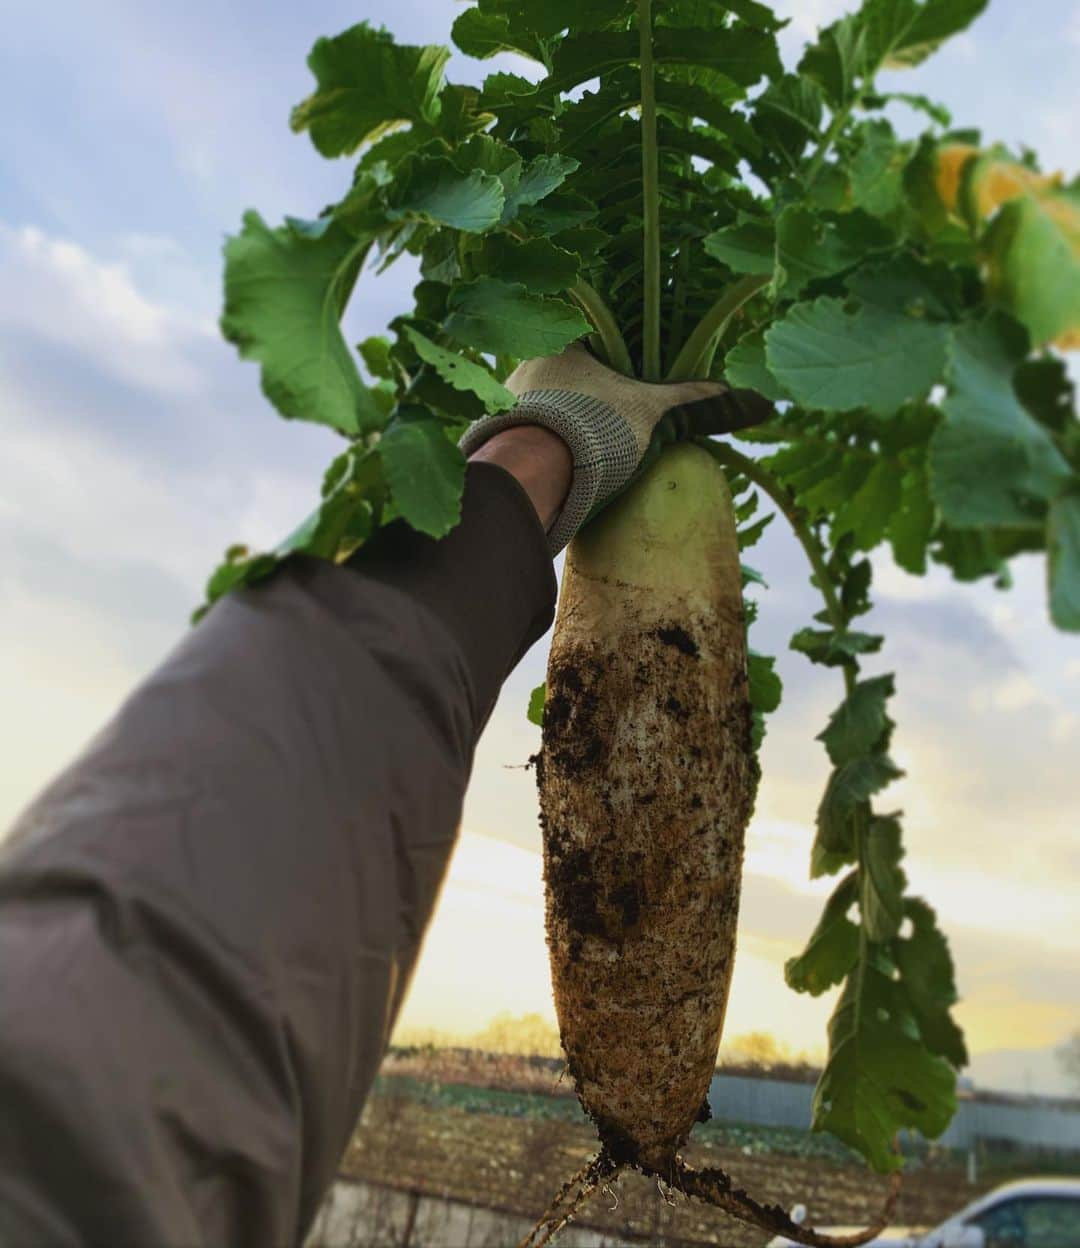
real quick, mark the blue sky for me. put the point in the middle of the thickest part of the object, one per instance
(136, 446)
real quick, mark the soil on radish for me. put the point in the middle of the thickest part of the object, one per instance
(679, 638)
(604, 887)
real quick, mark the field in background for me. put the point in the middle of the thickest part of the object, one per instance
(504, 1131)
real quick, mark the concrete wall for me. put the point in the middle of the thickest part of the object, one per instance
(1038, 1125)
(366, 1215)
(780, 1103)
(767, 1102)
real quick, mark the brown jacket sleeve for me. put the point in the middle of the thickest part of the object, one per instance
(207, 922)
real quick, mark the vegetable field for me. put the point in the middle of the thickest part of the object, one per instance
(510, 1150)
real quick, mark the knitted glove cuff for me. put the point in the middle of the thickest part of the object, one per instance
(603, 446)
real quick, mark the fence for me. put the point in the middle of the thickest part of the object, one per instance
(1029, 1122)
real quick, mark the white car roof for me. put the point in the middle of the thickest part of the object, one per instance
(1058, 1186)
(1051, 1186)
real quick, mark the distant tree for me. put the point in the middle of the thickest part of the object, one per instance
(527, 1034)
(760, 1048)
(1068, 1056)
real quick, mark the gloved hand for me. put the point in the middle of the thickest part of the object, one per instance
(607, 421)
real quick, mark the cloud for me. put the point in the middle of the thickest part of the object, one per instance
(1015, 989)
(91, 307)
(963, 48)
(807, 17)
(136, 447)
(63, 669)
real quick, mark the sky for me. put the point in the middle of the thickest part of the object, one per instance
(136, 446)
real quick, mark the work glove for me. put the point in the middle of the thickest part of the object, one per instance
(608, 420)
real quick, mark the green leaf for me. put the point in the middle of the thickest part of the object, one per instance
(1033, 248)
(745, 368)
(461, 115)
(849, 788)
(433, 190)
(375, 352)
(353, 496)
(439, 259)
(835, 489)
(927, 977)
(834, 649)
(503, 89)
(284, 296)
(743, 56)
(536, 705)
(855, 587)
(877, 170)
(426, 474)
(750, 12)
(912, 522)
(237, 569)
(749, 246)
(699, 101)
(537, 264)
(833, 948)
(1045, 388)
(837, 59)
(879, 1079)
(883, 34)
(483, 34)
(935, 21)
(1063, 545)
(804, 462)
(787, 117)
(487, 155)
(836, 360)
(989, 460)
(558, 212)
(539, 178)
(867, 514)
(766, 688)
(751, 535)
(461, 373)
(505, 319)
(904, 284)
(881, 881)
(857, 726)
(751, 576)
(546, 18)
(366, 85)
(810, 247)
(935, 111)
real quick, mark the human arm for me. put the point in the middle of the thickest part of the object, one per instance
(208, 921)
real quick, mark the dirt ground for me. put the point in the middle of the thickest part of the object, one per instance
(515, 1161)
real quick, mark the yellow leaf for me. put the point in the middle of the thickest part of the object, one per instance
(1032, 254)
(951, 163)
(994, 182)
(1065, 213)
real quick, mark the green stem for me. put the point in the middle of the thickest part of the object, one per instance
(650, 185)
(839, 121)
(346, 276)
(712, 327)
(796, 518)
(682, 280)
(600, 314)
(592, 303)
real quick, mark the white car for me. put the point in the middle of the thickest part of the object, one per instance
(1033, 1213)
